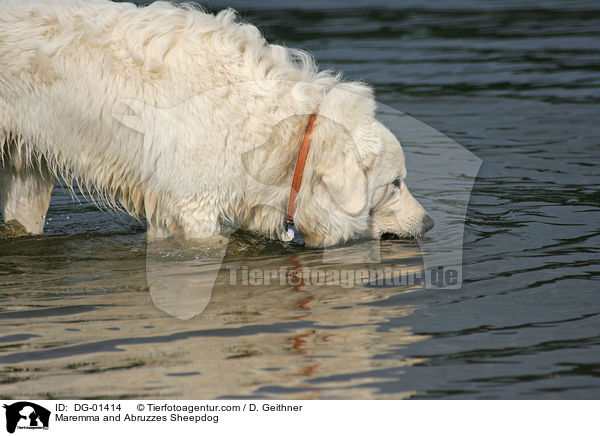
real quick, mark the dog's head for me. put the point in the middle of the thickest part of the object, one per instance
(353, 184)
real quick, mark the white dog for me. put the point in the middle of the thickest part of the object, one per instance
(193, 121)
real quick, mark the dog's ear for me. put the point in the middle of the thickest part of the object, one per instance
(272, 163)
(345, 145)
(346, 184)
(339, 166)
(334, 164)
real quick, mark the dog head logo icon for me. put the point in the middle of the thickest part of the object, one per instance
(26, 415)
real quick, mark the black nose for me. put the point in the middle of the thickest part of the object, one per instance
(427, 223)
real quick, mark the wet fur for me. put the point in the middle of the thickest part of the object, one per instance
(70, 69)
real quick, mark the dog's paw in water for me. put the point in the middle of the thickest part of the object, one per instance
(12, 229)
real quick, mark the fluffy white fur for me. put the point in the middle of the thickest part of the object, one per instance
(191, 120)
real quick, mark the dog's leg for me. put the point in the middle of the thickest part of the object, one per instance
(25, 196)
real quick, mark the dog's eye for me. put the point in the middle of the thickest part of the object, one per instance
(397, 183)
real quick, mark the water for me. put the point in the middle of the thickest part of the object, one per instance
(516, 83)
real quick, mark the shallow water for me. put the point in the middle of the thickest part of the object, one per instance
(516, 83)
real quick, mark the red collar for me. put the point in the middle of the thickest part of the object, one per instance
(299, 171)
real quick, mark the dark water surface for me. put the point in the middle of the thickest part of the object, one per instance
(516, 83)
